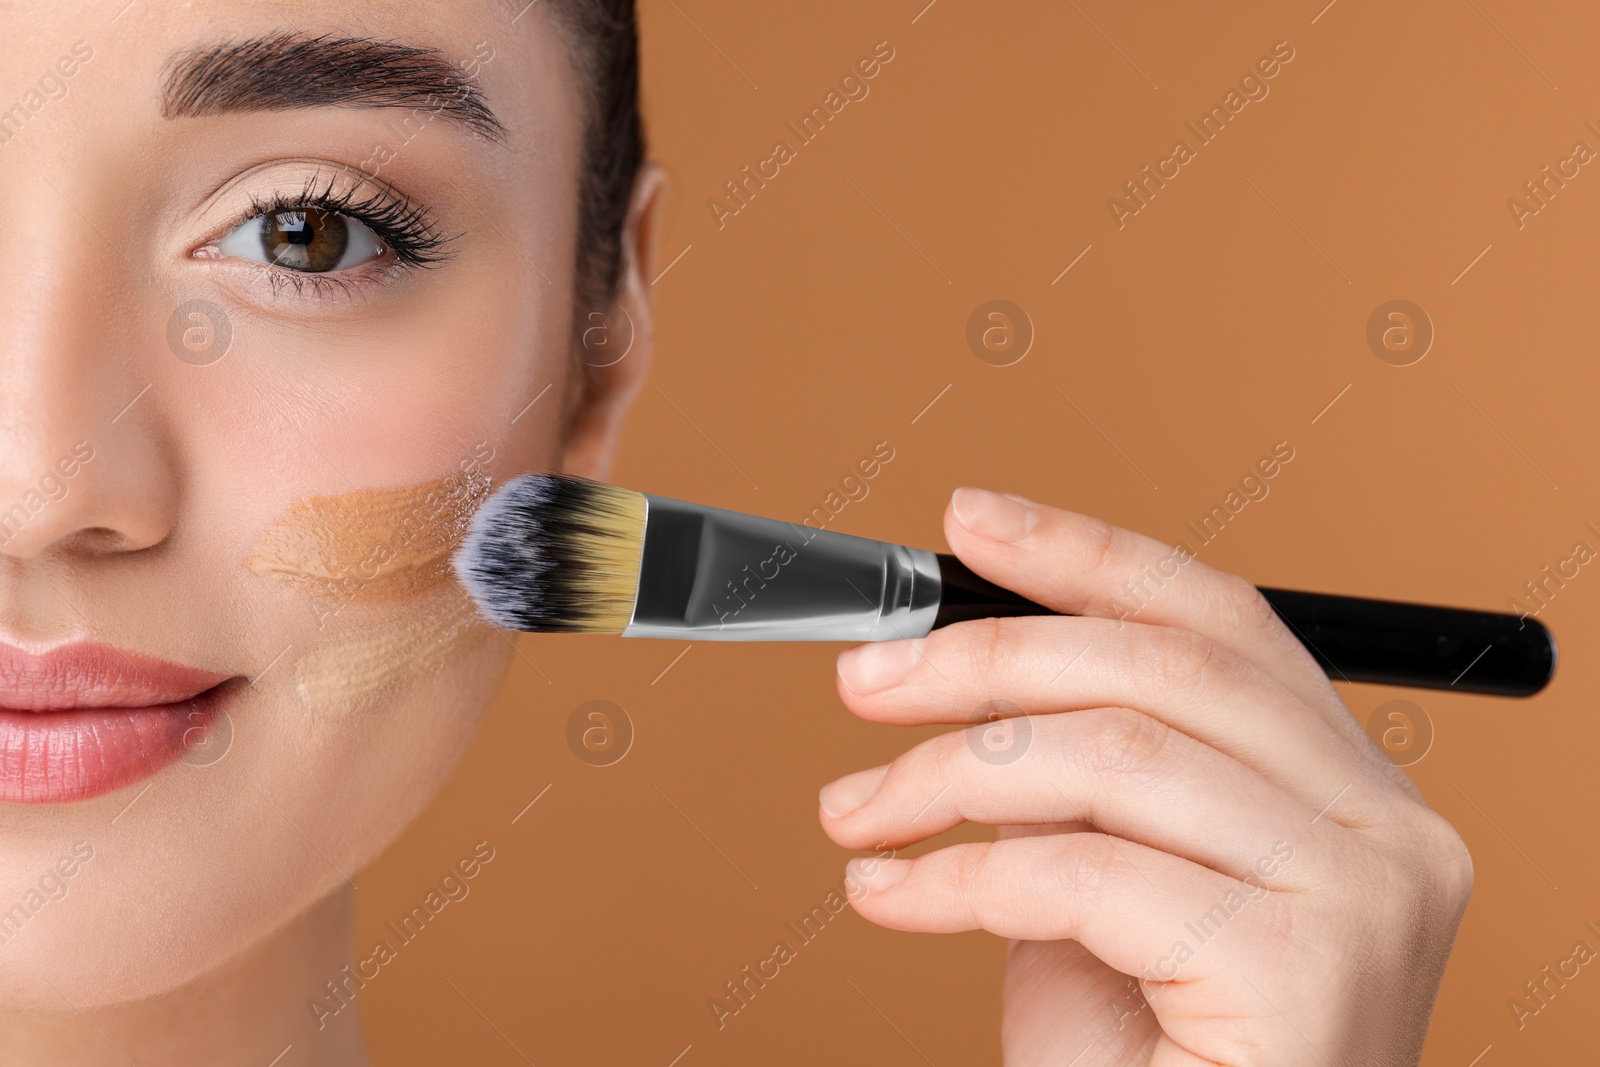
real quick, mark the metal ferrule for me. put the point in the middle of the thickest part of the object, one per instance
(714, 575)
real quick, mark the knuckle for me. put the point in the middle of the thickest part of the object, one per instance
(1100, 542)
(1378, 758)
(1396, 922)
(1394, 774)
(943, 759)
(1273, 921)
(1246, 608)
(990, 647)
(1278, 917)
(971, 874)
(1447, 858)
(1123, 741)
(1180, 659)
(1087, 864)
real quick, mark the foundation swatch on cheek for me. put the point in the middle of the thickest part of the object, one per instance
(366, 666)
(371, 545)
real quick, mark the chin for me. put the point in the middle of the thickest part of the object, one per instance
(155, 888)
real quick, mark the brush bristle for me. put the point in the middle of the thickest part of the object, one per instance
(550, 553)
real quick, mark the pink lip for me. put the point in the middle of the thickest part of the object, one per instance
(85, 719)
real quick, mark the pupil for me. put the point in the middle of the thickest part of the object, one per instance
(304, 239)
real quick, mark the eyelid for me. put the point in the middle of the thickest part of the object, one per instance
(401, 226)
(375, 203)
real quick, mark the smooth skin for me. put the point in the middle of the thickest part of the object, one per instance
(1202, 858)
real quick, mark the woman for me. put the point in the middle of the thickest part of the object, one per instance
(248, 251)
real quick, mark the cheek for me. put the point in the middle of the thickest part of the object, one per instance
(374, 663)
(389, 398)
(367, 775)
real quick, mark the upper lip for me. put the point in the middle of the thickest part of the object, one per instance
(89, 675)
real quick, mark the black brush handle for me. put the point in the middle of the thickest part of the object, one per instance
(1353, 639)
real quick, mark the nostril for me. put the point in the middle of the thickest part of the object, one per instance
(96, 540)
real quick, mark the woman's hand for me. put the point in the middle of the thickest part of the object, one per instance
(1202, 858)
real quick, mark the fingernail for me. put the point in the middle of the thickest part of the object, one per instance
(999, 516)
(839, 798)
(877, 874)
(878, 665)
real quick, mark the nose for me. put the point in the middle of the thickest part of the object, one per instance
(84, 465)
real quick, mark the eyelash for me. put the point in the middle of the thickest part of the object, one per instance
(405, 229)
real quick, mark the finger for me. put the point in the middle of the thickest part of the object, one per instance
(1126, 903)
(1085, 566)
(1127, 774)
(1059, 1001)
(1001, 667)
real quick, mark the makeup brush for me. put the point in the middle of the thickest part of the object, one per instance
(553, 554)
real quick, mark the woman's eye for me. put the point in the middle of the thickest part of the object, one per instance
(303, 239)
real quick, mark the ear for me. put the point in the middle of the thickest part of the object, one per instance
(611, 369)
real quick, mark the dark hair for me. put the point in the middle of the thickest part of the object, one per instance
(605, 40)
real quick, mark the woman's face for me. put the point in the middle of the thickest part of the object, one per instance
(286, 286)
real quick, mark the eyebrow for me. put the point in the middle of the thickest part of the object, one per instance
(288, 71)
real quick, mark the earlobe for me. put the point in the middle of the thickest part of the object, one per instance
(614, 349)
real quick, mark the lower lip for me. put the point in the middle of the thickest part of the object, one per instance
(48, 757)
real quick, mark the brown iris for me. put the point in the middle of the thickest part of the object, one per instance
(304, 238)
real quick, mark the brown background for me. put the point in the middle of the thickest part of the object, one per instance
(1224, 317)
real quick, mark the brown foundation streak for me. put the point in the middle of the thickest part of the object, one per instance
(371, 545)
(377, 546)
